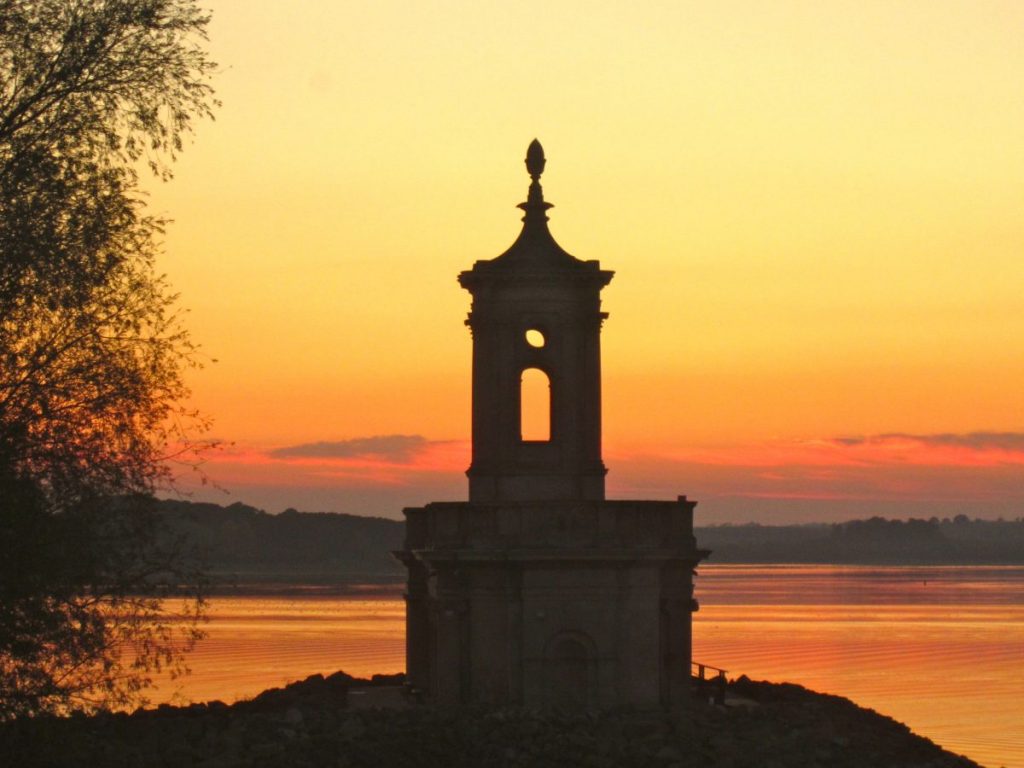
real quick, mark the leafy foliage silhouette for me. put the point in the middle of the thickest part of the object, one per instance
(92, 349)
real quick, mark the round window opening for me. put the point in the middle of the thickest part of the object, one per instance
(535, 338)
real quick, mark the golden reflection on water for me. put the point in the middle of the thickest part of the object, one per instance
(953, 675)
(254, 643)
(940, 649)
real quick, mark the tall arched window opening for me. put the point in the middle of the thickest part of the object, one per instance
(535, 406)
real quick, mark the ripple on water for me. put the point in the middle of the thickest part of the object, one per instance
(941, 649)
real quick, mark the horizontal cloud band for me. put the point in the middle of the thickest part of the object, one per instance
(979, 441)
(400, 449)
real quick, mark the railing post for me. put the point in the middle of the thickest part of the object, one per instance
(717, 685)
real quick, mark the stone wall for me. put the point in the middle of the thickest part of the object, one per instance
(582, 604)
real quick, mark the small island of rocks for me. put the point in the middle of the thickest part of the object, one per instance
(345, 722)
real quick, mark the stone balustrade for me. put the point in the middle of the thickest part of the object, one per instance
(581, 525)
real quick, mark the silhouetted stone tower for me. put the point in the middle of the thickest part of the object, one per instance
(536, 286)
(538, 591)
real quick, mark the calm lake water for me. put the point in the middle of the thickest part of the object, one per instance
(938, 648)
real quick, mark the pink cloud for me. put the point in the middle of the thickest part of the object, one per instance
(385, 460)
(979, 449)
(979, 473)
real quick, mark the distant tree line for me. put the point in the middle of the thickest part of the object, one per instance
(243, 544)
(874, 540)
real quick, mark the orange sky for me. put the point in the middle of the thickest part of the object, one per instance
(813, 211)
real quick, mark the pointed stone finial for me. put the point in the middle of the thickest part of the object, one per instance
(535, 205)
(535, 160)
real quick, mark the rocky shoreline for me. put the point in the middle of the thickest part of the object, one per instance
(332, 722)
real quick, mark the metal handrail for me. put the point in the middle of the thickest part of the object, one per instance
(702, 667)
(704, 682)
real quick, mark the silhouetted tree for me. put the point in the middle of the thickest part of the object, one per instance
(91, 347)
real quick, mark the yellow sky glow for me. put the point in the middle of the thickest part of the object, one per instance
(813, 211)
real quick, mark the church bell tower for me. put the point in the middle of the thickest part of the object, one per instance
(538, 591)
(536, 311)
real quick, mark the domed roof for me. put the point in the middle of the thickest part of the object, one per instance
(535, 251)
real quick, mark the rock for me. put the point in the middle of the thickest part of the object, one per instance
(306, 724)
(668, 754)
(350, 729)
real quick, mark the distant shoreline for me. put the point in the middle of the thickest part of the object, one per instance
(317, 584)
(255, 548)
(303, 585)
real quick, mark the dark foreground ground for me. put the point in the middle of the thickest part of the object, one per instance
(327, 722)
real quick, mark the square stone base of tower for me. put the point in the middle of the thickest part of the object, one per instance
(576, 605)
